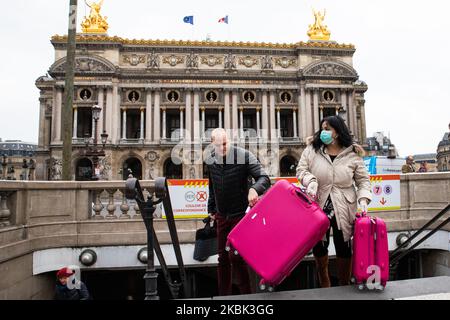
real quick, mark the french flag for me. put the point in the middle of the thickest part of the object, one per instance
(224, 19)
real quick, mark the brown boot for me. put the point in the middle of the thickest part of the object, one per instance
(322, 271)
(344, 270)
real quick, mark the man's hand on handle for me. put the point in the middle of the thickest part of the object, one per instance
(252, 197)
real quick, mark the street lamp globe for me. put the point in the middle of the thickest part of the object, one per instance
(104, 137)
(96, 112)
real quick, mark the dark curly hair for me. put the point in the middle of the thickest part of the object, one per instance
(338, 124)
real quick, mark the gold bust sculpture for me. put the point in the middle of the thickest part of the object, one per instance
(95, 23)
(318, 31)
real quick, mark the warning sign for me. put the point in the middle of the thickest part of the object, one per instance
(189, 198)
(385, 191)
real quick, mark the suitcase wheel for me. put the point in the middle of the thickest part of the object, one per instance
(353, 280)
(262, 285)
(270, 288)
(361, 287)
(235, 252)
(227, 248)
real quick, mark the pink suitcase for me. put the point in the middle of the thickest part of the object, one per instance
(278, 232)
(370, 253)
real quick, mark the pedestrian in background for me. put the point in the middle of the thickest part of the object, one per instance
(409, 166)
(67, 284)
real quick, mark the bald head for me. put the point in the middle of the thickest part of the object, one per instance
(220, 140)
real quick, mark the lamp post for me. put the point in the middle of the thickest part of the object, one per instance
(93, 151)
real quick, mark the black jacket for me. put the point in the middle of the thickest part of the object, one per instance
(64, 293)
(229, 181)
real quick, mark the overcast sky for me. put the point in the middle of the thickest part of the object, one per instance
(402, 50)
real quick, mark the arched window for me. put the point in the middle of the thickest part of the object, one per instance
(133, 166)
(172, 170)
(288, 166)
(83, 170)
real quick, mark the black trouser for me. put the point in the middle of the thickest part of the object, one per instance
(343, 249)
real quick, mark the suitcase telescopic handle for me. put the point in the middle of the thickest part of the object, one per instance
(302, 195)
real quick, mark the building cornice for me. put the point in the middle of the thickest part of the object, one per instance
(103, 39)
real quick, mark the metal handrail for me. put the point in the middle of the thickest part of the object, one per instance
(399, 253)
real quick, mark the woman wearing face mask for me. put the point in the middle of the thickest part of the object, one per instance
(330, 168)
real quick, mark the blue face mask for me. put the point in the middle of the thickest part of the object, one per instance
(326, 136)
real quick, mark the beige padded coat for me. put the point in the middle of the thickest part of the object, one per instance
(346, 179)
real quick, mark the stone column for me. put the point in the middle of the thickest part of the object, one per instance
(42, 128)
(278, 123)
(241, 122)
(294, 121)
(203, 135)
(124, 123)
(226, 99)
(316, 110)
(273, 133)
(163, 109)
(344, 104)
(321, 112)
(75, 122)
(258, 125)
(115, 132)
(220, 117)
(303, 119)
(142, 124)
(196, 117)
(309, 118)
(188, 99)
(352, 114)
(234, 108)
(101, 120)
(93, 126)
(109, 113)
(148, 117)
(56, 116)
(181, 123)
(265, 116)
(157, 118)
(363, 122)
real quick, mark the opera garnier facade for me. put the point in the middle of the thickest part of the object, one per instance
(158, 95)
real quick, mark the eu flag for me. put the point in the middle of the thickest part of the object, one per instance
(189, 19)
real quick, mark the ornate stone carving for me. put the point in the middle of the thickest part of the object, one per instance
(56, 169)
(84, 64)
(230, 62)
(192, 61)
(153, 61)
(212, 60)
(248, 61)
(329, 69)
(266, 63)
(173, 60)
(134, 59)
(152, 156)
(286, 62)
(105, 167)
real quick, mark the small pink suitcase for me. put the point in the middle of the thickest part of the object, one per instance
(278, 232)
(370, 253)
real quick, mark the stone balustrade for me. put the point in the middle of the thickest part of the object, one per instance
(42, 215)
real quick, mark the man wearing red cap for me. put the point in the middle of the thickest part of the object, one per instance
(76, 291)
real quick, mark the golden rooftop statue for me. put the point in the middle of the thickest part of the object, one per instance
(95, 23)
(318, 31)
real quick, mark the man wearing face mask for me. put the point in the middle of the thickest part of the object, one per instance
(333, 171)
